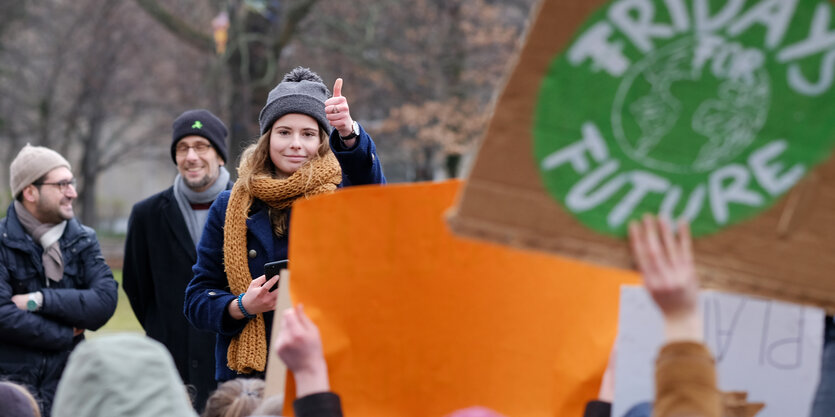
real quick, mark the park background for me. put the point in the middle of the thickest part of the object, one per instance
(102, 80)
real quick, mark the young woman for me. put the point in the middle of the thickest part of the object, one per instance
(297, 156)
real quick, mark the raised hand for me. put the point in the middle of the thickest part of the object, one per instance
(665, 261)
(300, 348)
(338, 112)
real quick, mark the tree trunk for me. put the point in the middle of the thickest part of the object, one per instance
(453, 165)
(89, 180)
(240, 119)
(424, 168)
(90, 167)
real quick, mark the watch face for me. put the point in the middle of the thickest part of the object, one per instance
(31, 305)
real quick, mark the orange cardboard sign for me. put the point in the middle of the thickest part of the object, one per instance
(418, 322)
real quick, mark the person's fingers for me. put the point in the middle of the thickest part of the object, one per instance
(272, 281)
(636, 241)
(685, 243)
(267, 285)
(655, 257)
(332, 117)
(257, 282)
(337, 87)
(303, 319)
(291, 324)
(335, 101)
(668, 241)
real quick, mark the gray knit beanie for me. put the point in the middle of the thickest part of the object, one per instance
(301, 91)
(31, 163)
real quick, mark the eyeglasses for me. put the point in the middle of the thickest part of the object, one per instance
(62, 185)
(200, 148)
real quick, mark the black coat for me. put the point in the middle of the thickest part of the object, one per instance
(159, 255)
(34, 347)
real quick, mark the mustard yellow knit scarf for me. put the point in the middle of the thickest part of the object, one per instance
(248, 350)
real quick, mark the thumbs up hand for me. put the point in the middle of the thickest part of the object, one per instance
(337, 111)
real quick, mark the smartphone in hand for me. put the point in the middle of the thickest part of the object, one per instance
(272, 269)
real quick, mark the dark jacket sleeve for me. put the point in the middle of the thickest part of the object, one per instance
(89, 307)
(322, 404)
(360, 164)
(207, 296)
(30, 330)
(136, 272)
(596, 408)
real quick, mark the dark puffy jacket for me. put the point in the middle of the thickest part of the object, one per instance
(34, 346)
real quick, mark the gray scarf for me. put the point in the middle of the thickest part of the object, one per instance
(47, 235)
(195, 219)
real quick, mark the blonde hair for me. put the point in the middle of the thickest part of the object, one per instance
(257, 158)
(235, 398)
(36, 409)
(271, 406)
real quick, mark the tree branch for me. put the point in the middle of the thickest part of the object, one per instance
(291, 21)
(178, 27)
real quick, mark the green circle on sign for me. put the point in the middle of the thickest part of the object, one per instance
(648, 111)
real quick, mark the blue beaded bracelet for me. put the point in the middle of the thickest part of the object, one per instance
(241, 306)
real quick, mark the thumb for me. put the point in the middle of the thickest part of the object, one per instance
(337, 88)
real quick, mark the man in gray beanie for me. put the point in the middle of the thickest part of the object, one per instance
(163, 232)
(54, 283)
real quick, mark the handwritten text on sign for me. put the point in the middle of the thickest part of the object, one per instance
(758, 344)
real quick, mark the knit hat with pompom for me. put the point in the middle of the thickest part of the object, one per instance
(301, 91)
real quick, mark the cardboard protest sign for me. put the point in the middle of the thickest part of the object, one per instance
(275, 378)
(717, 112)
(418, 322)
(758, 345)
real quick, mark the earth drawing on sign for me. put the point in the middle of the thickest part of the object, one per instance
(702, 110)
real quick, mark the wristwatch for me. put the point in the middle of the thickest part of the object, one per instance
(355, 131)
(35, 302)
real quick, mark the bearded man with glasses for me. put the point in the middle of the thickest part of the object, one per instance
(163, 232)
(54, 283)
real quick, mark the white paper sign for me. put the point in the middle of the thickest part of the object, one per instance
(770, 349)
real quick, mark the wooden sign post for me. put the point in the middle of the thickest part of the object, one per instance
(276, 379)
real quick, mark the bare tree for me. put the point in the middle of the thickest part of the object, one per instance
(258, 34)
(87, 82)
(435, 65)
(398, 57)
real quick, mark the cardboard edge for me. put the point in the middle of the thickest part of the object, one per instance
(711, 278)
(275, 379)
(519, 238)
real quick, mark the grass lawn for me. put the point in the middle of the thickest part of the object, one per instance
(123, 319)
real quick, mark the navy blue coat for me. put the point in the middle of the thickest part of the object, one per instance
(34, 347)
(208, 295)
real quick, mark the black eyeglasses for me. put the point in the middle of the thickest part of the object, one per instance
(62, 185)
(200, 148)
